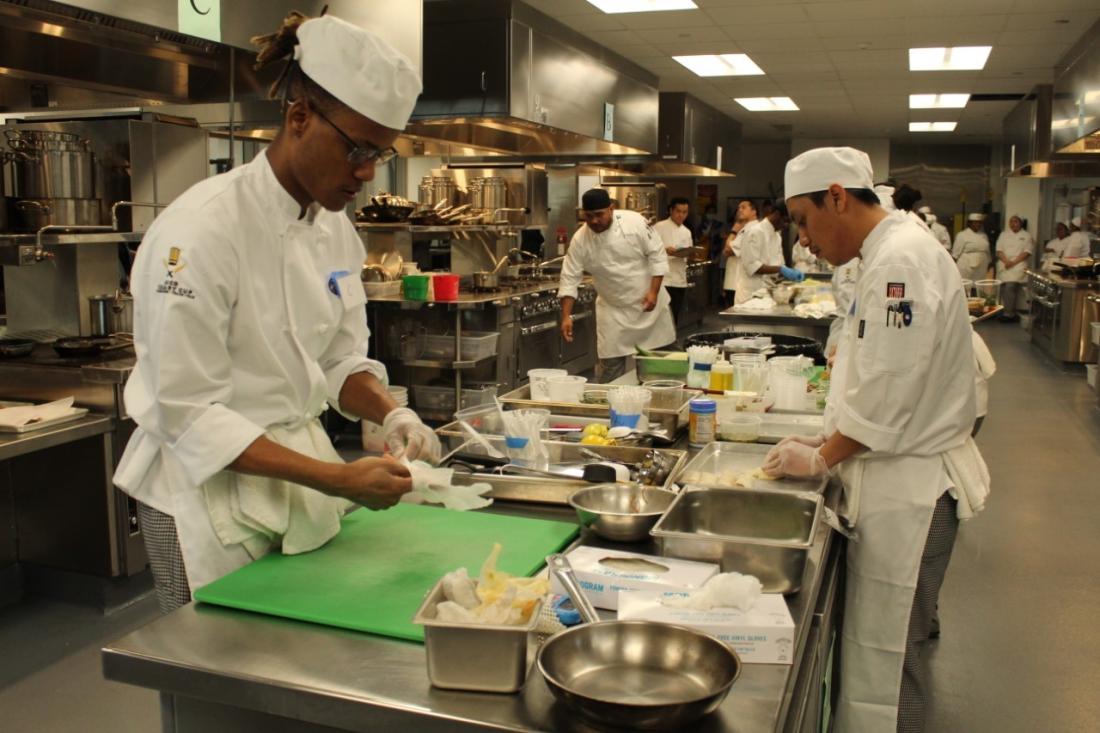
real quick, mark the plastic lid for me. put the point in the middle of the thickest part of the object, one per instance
(703, 405)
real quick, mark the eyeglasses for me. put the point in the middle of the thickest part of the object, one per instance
(360, 154)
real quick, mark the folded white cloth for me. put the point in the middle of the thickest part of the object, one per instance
(433, 486)
(970, 476)
(820, 309)
(17, 417)
(260, 513)
(756, 304)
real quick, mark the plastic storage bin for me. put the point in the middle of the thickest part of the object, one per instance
(657, 367)
(429, 397)
(476, 345)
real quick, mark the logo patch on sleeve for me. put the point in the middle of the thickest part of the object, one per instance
(895, 290)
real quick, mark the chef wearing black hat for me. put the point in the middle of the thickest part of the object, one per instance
(627, 262)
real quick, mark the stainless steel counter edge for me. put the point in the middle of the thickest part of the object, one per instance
(326, 676)
(783, 314)
(17, 444)
(468, 298)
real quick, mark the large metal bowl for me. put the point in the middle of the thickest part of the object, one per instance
(638, 675)
(621, 512)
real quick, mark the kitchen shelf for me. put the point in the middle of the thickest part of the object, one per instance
(444, 364)
(71, 238)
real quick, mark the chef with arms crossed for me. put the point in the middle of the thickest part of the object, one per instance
(897, 431)
(249, 320)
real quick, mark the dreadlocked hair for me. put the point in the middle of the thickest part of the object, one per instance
(293, 84)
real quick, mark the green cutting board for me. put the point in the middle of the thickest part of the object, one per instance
(374, 575)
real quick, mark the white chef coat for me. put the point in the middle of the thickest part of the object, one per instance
(971, 252)
(803, 258)
(1012, 244)
(1077, 245)
(675, 235)
(733, 266)
(622, 260)
(844, 292)
(939, 231)
(238, 328)
(907, 393)
(762, 246)
(1057, 247)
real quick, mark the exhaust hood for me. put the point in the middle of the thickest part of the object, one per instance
(1030, 131)
(504, 78)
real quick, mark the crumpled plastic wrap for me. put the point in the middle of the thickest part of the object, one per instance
(496, 598)
(725, 590)
(433, 486)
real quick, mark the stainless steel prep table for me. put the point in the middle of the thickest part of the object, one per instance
(17, 444)
(782, 320)
(222, 669)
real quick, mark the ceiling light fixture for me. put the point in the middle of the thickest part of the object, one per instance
(642, 6)
(726, 64)
(767, 104)
(932, 126)
(938, 101)
(958, 58)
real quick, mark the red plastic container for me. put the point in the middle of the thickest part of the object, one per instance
(446, 286)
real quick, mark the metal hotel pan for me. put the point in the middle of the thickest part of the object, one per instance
(670, 420)
(640, 675)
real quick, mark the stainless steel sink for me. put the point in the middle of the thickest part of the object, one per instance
(751, 531)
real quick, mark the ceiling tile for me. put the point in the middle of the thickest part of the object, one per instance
(616, 38)
(1059, 36)
(756, 14)
(683, 48)
(983, 28)
(752, 45)
(890, 61)
(773, 61)
(642, 51)
(559, 8)
(771, 31)
(857, 43)
(684, 36)
(869, 29)
(666, 19)
(854, 10)
(1079, 21)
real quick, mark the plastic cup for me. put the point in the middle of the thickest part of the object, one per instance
(667, 393)
(540, 390)
(740, 428)
(415, 287)
(568, 388)
(628, 405)
(446, 286)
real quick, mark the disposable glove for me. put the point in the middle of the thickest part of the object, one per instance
(792, 274)
(814, 441)
(408, 437)
(795, 460)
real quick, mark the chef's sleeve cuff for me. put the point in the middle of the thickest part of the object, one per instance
(658, 269)
(216, 439)
(876, 437)
(752, 266)
(567, 291)
(338, 374)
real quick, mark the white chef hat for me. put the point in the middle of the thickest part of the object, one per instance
(1076, 221)
(975, 217)
(929, 216)
(817, 169)
(885, 196)
(360, 69)
(926, 210)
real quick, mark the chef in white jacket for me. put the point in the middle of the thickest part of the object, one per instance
(249, 320)
(677, 240)
(897, 431)
(1015, 247)
(1078, 244)
(1053, 249)
(971, 250)
(627, 262)
(939, 231)
(761, 254)
(746, 219)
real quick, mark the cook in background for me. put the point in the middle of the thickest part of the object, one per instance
(677, 241)
(939, 231)
(905, 198)
(897, 431)
(746, 219)
(971, 250)
(1015, 247)
(249, 322)
(761, 253)
(1055, 247)
(627, 262)
(1078, 244)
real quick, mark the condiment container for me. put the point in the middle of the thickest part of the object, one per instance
(702, 422)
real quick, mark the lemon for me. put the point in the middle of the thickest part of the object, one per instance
(593, 440)
(595, 429)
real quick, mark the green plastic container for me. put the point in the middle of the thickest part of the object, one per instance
(415, 287)
(655, 367)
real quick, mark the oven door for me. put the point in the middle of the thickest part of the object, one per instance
(537, 346)
(1044, 321)
(584, 329)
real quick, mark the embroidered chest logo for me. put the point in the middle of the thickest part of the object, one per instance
(895, 290)
(173, 264)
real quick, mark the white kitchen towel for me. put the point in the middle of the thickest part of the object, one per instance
(260, 513)
(970, 476)
(17, 417)
(434, 486)
(757, 305)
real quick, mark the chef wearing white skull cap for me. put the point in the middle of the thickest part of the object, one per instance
(971, 249)
(1078, 243)
(939, 231)
(897, 431)
(249, 322)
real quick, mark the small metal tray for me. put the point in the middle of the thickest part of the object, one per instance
(545, 490)
(776, 426)
(479, 657)
(670, 420)
(767, 534)
(75, 414)
(718, 460)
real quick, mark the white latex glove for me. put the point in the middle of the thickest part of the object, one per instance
(408, 437)
(796, 460)
(814, 441)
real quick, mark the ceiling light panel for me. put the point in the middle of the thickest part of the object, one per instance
(726, 64)
(957, 58)
(642, 6)
(932, 126)
(938, 101)
(767, 104)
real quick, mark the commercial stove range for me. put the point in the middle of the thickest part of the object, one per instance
(1061, 314)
